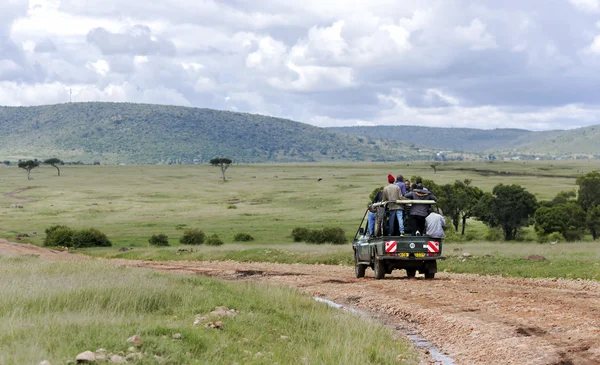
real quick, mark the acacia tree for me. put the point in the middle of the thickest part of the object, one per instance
(458, 201)
(53, 162)
(28, 166)
(509, 207)
(588, 198)
(223, 163)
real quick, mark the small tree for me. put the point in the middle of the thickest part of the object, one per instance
(509, 207)
(588, 198)
(223, 163)
(434, 167)
(53, 162)
(568, 219)
(28, 166)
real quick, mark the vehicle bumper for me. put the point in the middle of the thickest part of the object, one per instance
(397, 258)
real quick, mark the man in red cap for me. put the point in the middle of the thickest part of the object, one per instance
(392, 193)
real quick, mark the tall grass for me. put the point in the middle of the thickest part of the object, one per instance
(55, 310)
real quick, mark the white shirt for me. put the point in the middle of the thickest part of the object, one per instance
(434, 225)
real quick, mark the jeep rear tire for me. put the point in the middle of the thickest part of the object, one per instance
(411, 273)
(379, 269)
(429, 275)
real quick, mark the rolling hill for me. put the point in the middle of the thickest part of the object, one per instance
(141, 133)
(556, 143)
(455, 139)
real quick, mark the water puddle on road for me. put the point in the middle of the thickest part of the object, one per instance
(419, 341)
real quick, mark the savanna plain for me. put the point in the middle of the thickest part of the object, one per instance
(54, 309)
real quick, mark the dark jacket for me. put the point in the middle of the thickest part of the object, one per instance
(421, 210)
(377, 197)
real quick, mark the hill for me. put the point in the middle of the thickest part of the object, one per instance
(141, 133)
(454, 139)
(576, 142)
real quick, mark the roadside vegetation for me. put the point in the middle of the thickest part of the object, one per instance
(99, 305)
(189, 204)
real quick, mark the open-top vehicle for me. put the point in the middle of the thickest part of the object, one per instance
(384, 253)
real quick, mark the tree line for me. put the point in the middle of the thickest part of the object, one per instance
(569, 215)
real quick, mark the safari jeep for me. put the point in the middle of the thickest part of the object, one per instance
(384, 253)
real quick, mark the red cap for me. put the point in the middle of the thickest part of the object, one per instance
(391, 179)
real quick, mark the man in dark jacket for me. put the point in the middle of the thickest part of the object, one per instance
(418, 212)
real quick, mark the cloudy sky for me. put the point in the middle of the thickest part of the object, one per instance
(455, 63)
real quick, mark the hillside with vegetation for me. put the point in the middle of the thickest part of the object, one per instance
(141, 133)
(455, 139)
(580, 142)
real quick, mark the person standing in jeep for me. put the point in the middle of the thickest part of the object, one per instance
(392, 193)
(418, 212)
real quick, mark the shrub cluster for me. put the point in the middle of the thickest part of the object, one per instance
(335, 235)
(243, 237)
(214, 240)
(192, 237)
(159, 240)
(60, 235)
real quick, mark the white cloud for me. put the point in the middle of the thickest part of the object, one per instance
(396, 111)
(101, 67)
(586, 5)
(315, 78)
(270, 53)
(440, 62)
(476, 36)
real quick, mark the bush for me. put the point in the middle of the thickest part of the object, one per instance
(243, 237)
(300, 234)
(494, 234)
(159, 240)
(214, 240)
(192, 237)
(556, 237)
(59, 235)
(231, 206)
(90, 237)
(335, 235)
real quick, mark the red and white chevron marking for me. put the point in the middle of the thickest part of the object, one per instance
(390, 246)
(433, 246)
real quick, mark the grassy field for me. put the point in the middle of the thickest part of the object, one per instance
(130, 203)
(55, 310)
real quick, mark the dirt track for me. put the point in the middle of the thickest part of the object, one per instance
(474, 319)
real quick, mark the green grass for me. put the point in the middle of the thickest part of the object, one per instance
(285, 254)
(131, 203)
(564, 260)
(55, 310)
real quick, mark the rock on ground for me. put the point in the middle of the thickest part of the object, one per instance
(85, 357)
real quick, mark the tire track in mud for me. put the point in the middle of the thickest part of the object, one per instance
(473, 319)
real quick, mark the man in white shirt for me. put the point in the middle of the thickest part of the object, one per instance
(434, 225)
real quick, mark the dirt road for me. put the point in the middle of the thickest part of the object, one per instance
(474, 319)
